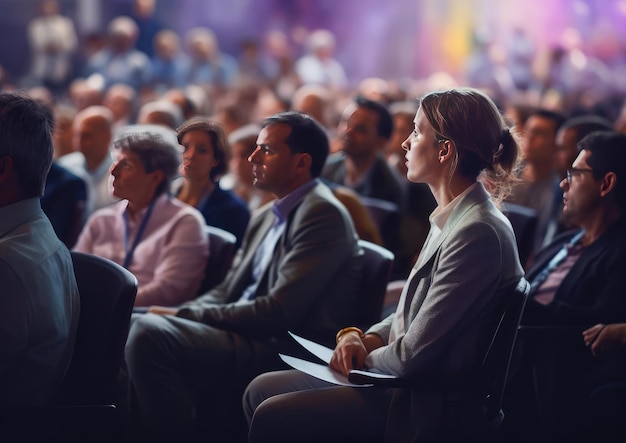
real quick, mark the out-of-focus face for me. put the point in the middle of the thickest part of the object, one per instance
(538, 141)
(566, 149)
(91, 137)
(130, 179)
(274, 166)
(422, 156)
(198, 155)
(581, 195)
(119, 104)
(239, 164)
(358, 132)
(402, 128)
(62, 137)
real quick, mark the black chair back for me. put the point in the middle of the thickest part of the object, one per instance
(222, 248)
(497, 360)
(377, 264)
(524, 222)
(107, 294)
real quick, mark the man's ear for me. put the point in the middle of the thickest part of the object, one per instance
(304, 161)
(608, 183)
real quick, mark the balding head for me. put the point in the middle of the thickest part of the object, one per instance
(92, 134)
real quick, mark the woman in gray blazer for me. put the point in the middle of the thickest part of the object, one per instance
(460, 147)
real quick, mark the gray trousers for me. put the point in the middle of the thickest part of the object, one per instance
(293, 406)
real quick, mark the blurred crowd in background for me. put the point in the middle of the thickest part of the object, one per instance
(568, 56)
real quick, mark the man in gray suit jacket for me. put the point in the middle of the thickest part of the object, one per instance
(298, 269)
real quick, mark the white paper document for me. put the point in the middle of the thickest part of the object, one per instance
(323, 372)
(322, 352)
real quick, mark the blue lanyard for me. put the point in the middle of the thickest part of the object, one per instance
(555, 262)
(142, 227)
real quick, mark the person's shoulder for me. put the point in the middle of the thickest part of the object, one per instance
(322, 197)
(334, 165)
(172, 205)
(227, 196)
(111, 211)
(381, 165)
(74, 161)
(63, 176)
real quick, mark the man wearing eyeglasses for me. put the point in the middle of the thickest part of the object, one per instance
(578, 281)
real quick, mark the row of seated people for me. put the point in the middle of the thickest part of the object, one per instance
(375, 195)
(245, 316)
(402, 216)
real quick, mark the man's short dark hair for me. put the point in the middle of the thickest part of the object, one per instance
(608, 154)
(385, 121)
(26, 136)
(306, 136)
(584, 125)
(557, 118)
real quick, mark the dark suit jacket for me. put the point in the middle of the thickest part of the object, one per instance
(594, 289)
(225, 210)
(557, 363)
(309, 287)
(64, 201)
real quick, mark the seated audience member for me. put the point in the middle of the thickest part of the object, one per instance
(364, 130)
(576, 282)
(169, 63)
(183, 100)
(204, 162)
(241, 179)
(208, 66)
(121, 100)
(449, 306)
(64, 202)
(160, 112)
(538, 187)
(298, 269)
(319, 66)
(39, 302)
(84, 93)
(573, 131)
(119, 61)
(316, 101)
(64, 116)
(93, 131)
(231, 114)
(158, 238)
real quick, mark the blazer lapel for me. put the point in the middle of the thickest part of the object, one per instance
(475, 196)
